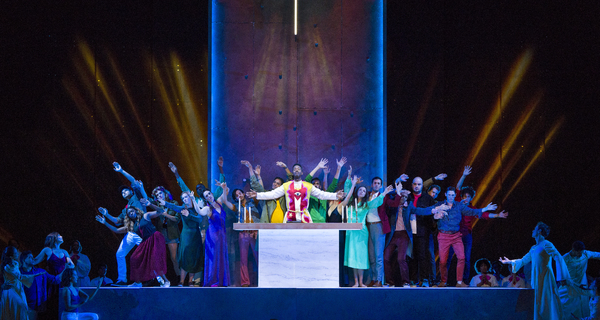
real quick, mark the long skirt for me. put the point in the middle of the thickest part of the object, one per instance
(149, 259)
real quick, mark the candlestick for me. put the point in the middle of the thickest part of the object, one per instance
(240, 210)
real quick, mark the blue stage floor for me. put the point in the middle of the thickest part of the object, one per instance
(341, 303)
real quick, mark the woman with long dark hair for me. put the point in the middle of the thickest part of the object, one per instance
(216, 263)
(356, 253)
(190, 255)
(73, 297)
(168, 224)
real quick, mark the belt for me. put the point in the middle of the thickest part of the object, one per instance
(370, 223)
(448, 232)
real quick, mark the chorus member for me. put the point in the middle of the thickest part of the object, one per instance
(297, 194)
(483, 278)
(317, 207)
(38, 293)
(149, 259)
(13, 302)
(247, 238)
(466, 195)
(401, 238)
(272, 210)
(73, 298)
(191, 250)
(356, 255)
(216, 263)
(168, 224)
(421, 273)
(82, 264)
(577, 261)
(376, 236)
(547, 301)
(450, 236)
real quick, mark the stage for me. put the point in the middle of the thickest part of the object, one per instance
(291, 303)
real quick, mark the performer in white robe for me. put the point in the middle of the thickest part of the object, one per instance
(577, 260)
(547, 300)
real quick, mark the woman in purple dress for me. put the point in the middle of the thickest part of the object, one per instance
(216, 263)
(55, 257)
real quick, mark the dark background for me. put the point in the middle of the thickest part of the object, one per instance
(446, 67)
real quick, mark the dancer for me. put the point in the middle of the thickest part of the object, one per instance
(216, 263)
(483, 278)
(38, 293)
(73, 298)
(576, 261)
(297, 194)
(133, 195)
(547, 300)
(356, 255)
(149, 259)
(13, 303)
(191, 251)
(56, 258)
(168, 224)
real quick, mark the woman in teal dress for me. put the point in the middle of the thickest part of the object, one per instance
(356, 253)
(191, 251)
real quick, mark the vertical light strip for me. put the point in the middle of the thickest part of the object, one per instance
(295, 17)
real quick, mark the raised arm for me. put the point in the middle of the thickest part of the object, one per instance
(430, 181)
(288, 173)
(322, 164)
(223, 198)
(219, 190)
(325, 174)
(350, 192)
(182, 185)
(336, 178)
(466, 172)
(269, 195)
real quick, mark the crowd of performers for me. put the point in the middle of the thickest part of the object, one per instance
(395, 247)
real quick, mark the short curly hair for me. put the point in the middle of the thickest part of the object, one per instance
(544, 229)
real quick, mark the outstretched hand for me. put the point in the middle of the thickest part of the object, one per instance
(100, 219)
(440, 176)
(145, 202)
(323, 163)
(251, 194)
(340, 194)
(281, 164)
(117, 167)
(355, 180)
(220, 161)
(398, 186)
(404, 177)
(349, 171)
(185, 212)
(246, 163)
(503, 214)
(505, 260)
(388, 189)
(341, 162)
(491, 207)
(467, 170)
(103, 211)
(173, 167)
(257, 170)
